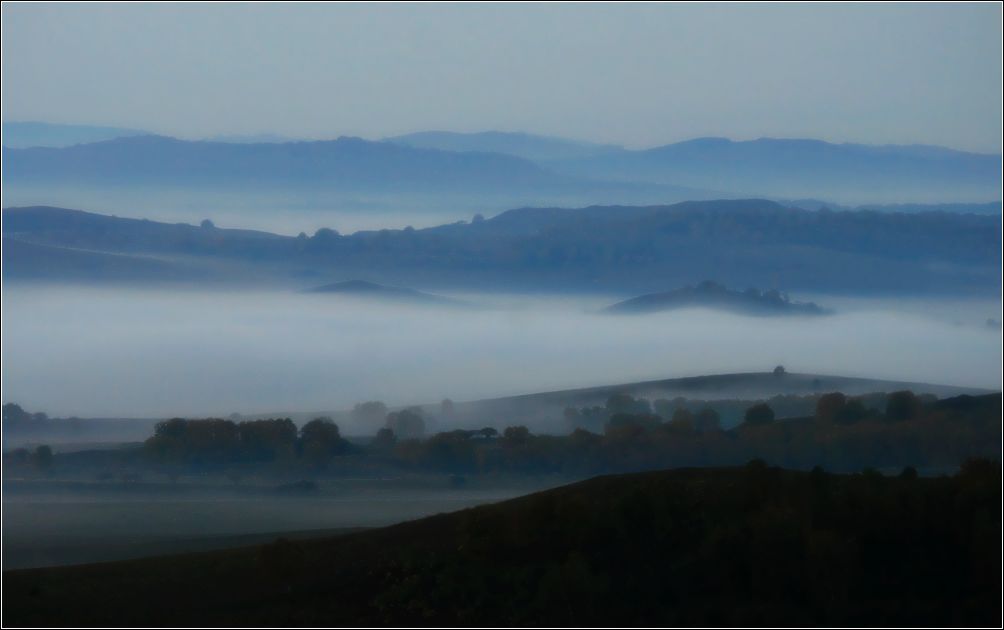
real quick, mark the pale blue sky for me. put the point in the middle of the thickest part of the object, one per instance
(639, 75)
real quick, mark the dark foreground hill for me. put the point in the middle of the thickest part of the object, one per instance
(752, 546)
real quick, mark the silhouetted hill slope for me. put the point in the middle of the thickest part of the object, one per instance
(712, 295)
(20, 135)
(844, 173)
(374, 291)
(524, 145)
(627, 249)
(752, 546)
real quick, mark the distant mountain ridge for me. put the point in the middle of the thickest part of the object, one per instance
(710, 294)
(525, 166)
(794, 168)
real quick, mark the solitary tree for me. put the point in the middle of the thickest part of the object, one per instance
(385, 439)
(759, 414)
(901, 406)
(707, 419)
(829, 405)
(369, 413)
(407, 424)
(320, 439)
(42, 458)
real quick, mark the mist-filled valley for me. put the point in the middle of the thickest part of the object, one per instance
(94, 352)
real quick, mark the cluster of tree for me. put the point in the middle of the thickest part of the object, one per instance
(843, 433)
(39, 458)
(404, 424)
(722, 413)
(215, 442)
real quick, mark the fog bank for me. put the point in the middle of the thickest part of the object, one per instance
(115, 353)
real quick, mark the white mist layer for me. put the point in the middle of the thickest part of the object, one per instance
(119, 353)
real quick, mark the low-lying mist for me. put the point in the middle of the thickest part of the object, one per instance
(138, 353)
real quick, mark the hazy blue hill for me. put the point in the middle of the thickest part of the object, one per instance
(374, 291)
(19, 135)
(712, 295)
(844, 173)
(615, 248)
(345, 164)
(524, 145)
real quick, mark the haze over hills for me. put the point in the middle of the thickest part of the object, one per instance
(599, 249)
(373, 291)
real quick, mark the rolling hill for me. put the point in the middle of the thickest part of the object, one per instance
(612, 249)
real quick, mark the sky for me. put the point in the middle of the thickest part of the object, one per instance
(637, 75)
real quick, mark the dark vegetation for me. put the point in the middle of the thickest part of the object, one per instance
(752, 545)
(627, 434)
(710, 294)
(612, 248)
